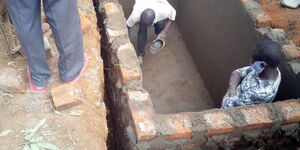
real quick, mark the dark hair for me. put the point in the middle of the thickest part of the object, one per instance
(269, 52)
(147, 16)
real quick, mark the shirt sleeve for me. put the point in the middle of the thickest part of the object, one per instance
(244, 71)
(132, 20)
(251, 97)
(134, 16)
(172, 11)
(172, 16)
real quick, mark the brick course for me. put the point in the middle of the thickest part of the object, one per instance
(219, 123)
(256, 117)
(290, 110)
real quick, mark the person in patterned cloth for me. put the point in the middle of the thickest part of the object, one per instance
(259, 82)
(157, 13)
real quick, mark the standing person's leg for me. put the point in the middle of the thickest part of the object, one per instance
(26, 17)
(142, 39)
(63, 17)
(159, 26)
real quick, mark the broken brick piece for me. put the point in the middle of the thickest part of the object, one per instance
(66, 96)
(12, 81)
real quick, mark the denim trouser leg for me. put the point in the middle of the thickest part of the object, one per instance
(159, 26)
(63, 17)
(142, 39)
(26, 18)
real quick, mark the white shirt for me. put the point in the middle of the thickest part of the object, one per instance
(162, 8)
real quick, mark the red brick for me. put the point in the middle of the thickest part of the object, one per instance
(129, 67)
(12, 80)
(219, 123)
(263, 20)
(115, 21)
(291, 52)
(256, 117)
(181, 124)
(129, 75)
(290, 110)
(144, 124)
(66, 96)
(191, 145)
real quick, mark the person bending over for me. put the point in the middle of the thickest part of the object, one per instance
(258, 83)
(147, 13)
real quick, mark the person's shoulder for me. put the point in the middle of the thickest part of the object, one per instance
(245, 68)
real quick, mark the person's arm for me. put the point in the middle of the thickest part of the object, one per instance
(236, 78)
(163, 33)
(234, 82)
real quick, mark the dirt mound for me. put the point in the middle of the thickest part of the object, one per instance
(284, 18)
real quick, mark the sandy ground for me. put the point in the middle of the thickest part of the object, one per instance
(284, 18)
(80, 128)
(171, 76)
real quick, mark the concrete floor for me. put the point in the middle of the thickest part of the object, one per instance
(171, 76)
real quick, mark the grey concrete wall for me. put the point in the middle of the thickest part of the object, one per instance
(220, 36)
(127, 6)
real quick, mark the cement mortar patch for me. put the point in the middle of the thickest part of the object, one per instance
(115, 25)
(256, 117)
(119, 41)
(218, 123)
(290, 111)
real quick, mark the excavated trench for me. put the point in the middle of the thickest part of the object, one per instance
(208, 41)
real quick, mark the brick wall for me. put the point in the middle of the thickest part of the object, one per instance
(139, 127)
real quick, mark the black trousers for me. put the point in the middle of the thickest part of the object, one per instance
(142, 35)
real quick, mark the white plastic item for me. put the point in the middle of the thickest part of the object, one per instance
(290, 3)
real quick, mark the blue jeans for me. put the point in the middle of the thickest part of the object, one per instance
(142, 36)
(63, 17)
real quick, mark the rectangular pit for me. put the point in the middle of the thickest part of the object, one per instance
(220, 38)
(216, 38)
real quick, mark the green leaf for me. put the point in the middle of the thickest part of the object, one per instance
(5, 132)
(34, 140)
(26, 147)
(48, 146)
(34, 147)
(35, 129)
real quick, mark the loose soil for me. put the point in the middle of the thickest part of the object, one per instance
(284, 18)
(83, 127)
(171, 76)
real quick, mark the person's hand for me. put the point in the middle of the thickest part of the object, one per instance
(162, 35)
